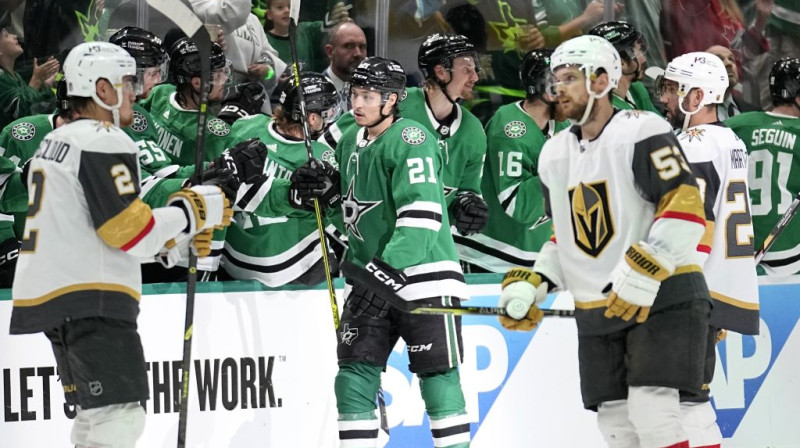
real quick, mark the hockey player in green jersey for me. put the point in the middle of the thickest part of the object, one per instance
(88, 229)
(151, 69)
(632, 48)
(392, 201)
(450, 66)
(174, 107)
(773, 144)
(258, 245)
(627, 217)
(517, 225)
(19, 140)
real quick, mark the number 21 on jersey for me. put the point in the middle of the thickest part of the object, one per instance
(420, 170)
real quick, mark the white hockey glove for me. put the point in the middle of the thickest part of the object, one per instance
(206, 207)
(522, 290)
(635, 282)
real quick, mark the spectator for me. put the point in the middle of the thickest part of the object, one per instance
(310, 35)
(783, 35)
(734, 103)
(694, 25)
(253, 59)
(18, 98)
(346, 48)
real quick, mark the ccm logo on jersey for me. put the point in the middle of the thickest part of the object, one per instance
(11, 255)
(383, 277)
(420, 348)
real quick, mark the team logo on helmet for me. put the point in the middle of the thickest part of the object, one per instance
(23, 131)
(515, 129)
(139, 122)
(218, 127)
(592, 223)
(413, 135)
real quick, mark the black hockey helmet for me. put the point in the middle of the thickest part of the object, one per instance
(144, 46)
(384, 75)
(184, 60)
(784, 80)
(534, 70)
(441, 49)
(622, 35)
(319, 93)
(62, 100)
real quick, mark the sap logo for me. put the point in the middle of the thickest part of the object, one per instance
(485, 368)
(420, 348)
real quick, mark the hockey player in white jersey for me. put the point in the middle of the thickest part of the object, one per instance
(78, 279)
(627, 217)
(690, 89)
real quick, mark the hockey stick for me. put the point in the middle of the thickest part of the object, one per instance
(294, 14)
(779, 227)
(183, 16)
(371, 276)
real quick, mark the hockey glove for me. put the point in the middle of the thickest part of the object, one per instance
(246, 160)
(174, 251)
(247, 99)
(522, 290)
(362, 301)
(635, 282)
(470, 212)
(315, 179)
(223, 178)
(205, 206)
(9, 252)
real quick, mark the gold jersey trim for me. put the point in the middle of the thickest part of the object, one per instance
(127, 225)
(136, 295)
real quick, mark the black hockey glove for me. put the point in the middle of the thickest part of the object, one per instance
(470, 212)
(315, 179)
(246, 160)
(223, 178)
(9, 251)
(245, 100)
(362, 299)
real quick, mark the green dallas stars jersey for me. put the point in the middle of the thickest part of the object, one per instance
(517, 226)
(176, 127)
(18, 142)
(151, 157)
(774, 175)
(393, 207)
(462, 144)
(274, 248)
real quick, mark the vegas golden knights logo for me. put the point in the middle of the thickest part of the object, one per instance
(592, 223)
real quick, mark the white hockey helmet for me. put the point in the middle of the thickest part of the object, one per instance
(590, 53)
(89, 62)
(699, 70)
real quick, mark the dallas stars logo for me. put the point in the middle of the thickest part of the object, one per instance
(413, 135)
(139, 122)
(354, 209)
(694, 133)
(23, 131)
(449, 190)
(218, 127)
(515, 129)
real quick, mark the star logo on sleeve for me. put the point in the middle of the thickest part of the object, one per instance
(353, 210)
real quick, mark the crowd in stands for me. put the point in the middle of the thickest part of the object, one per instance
(252, 81)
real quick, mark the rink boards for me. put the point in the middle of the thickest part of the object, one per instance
(264, 363)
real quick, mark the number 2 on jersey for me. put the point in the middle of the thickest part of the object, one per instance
(37, 186)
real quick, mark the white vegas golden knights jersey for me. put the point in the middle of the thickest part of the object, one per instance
(630, 184)
(84, 213)
(718, 158)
